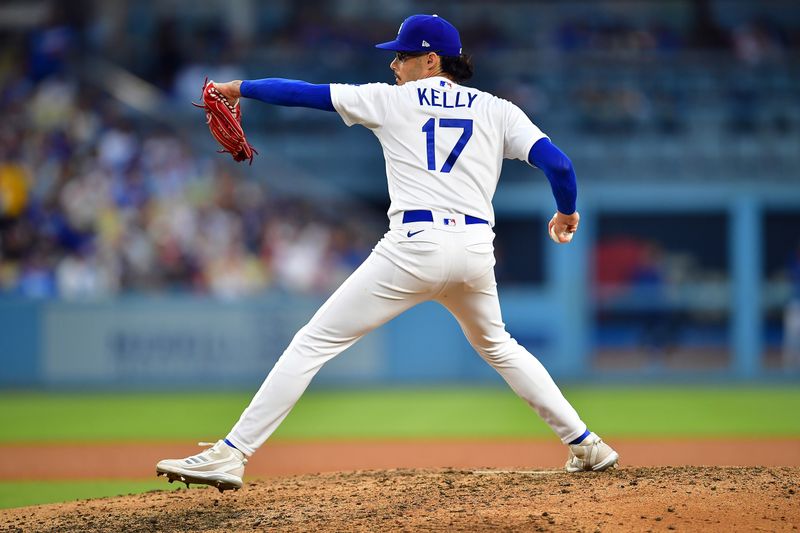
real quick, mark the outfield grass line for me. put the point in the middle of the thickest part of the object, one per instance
(438, 413)
(633, 437)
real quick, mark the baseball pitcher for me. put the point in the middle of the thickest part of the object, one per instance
(444, 144)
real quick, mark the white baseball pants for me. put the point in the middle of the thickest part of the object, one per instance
(413, 263)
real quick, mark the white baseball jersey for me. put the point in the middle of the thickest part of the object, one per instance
(444, 143)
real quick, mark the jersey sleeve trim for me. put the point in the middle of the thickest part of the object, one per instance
(531, 145)
(366, 105)
(336, 89)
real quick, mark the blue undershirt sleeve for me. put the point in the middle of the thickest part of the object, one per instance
(558, 169)
(292, 93)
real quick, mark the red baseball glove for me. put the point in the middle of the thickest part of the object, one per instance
(224, 120)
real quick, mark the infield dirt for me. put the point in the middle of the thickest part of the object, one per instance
(626, 499)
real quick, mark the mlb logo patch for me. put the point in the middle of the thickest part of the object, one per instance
(449, 222)
(447, 84)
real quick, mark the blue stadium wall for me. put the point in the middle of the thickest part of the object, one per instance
(184, 341)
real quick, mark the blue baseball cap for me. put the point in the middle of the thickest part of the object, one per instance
(425, 33)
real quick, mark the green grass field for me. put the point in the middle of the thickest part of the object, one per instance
(375, 414)
(23, 493)
(379, 414)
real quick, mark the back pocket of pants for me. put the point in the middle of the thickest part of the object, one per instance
(481, 248)
(419, 247)
(480, 259)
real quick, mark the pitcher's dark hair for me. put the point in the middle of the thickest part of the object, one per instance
(458, 67)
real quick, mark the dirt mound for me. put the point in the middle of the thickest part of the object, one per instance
(627, 499)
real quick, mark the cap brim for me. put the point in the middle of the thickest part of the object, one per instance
(395, 46)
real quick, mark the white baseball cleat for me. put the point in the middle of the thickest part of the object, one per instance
(220, 466)
(591, 455)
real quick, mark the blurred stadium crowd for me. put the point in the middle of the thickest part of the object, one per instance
(93, 205)
(97, 198)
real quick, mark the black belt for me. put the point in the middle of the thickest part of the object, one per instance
(422, 215)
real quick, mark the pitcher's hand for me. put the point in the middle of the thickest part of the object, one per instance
(562, 227)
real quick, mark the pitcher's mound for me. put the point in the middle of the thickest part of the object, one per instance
(627, 499)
